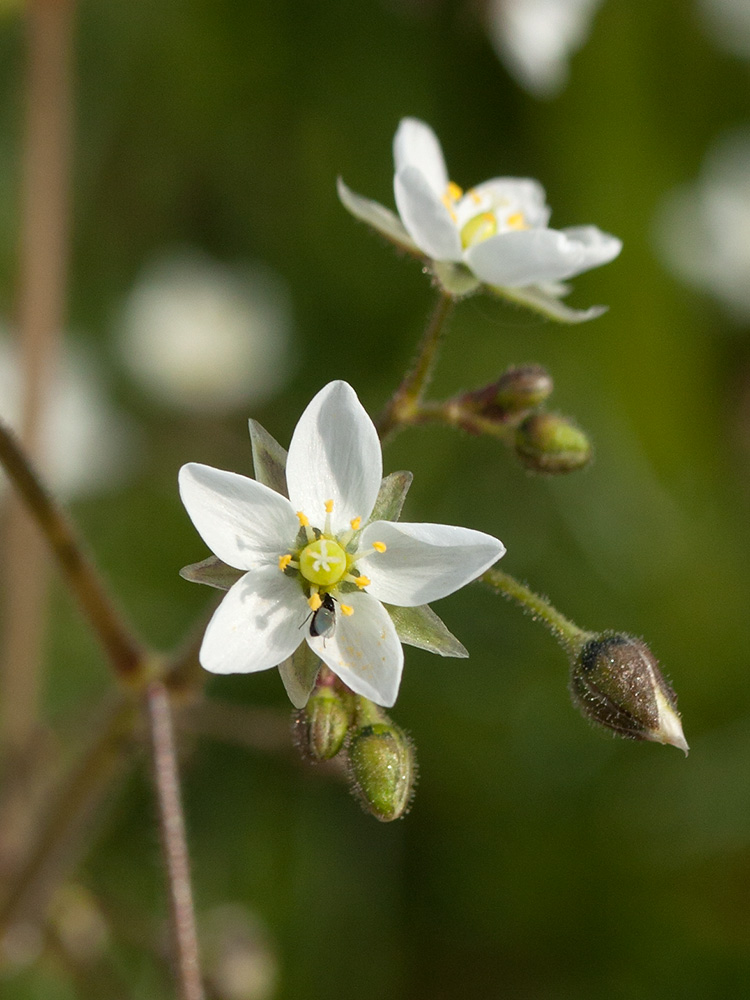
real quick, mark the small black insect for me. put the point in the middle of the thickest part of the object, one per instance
(324, 619)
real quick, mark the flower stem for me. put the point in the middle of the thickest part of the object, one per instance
(405, 401)
(172, 823)
(569, 635)
(125, 652)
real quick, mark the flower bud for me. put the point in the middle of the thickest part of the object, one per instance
(551, 444)
(322, 725)
(522, 388)
(616, 682)
(382, 768)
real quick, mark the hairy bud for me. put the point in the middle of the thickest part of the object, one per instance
(323, 723)
(382, 767)
(551, 444)
(522, 388)
(616, 682)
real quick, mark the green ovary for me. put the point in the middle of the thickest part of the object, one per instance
(323, 562)
(480, 228)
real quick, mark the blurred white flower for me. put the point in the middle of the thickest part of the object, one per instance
(199, 335)
(239, 959)
(86, 445)
(729, 23)
(536, 38)
(703, 229)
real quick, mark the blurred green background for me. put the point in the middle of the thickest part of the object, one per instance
(541, 859)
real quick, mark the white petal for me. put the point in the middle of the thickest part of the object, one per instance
(599, 247)
(364, 651)
(257, 625)
(424, 562)
(514, 194)
(244, 523)
(526, 257)
(425, 216)
(334, 455)
(380, 218)
(416, 145)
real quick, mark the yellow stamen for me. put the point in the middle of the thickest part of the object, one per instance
(302, 519)
(284, 562)
(453, 191)
(346, 609)
(449, 205)
(314, 601)
(329, 506)
(379, 546)
(517, 221)
(362, 581)
(476, 198)
(355, 523)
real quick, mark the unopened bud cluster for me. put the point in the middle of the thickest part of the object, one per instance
(380, 757)
(543, 442)
(616, 682)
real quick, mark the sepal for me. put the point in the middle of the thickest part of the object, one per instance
(269, 459)
(299, 673)
(212, 572)
(421, 627)
(391, 496)
(545, 301)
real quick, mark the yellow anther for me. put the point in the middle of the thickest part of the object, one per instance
(284, 562)
(516, 221)
(329, 506)
(302, 519)
(356, 523)
(346, 609)
(448, 202)
(453, 191)
(379, 546)
(314, 601)
(476, 198)
(362, 581)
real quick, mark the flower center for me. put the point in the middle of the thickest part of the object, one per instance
(478, 228)
(323, 562)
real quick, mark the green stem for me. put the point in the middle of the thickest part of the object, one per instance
(407, 397)
(125, 652)
(569, 635)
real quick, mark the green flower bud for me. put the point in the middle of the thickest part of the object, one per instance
(382, 767)
(323, 723)
(522, 388)
(616, 682)
(551, 444)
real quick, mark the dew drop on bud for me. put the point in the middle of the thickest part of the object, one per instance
(615, 681)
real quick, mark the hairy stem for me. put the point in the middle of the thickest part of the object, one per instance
(409, 394)
(174, 844)
(569, 635)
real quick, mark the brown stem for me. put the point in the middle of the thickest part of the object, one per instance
(43, 252)
(125, 652)
(174, 844)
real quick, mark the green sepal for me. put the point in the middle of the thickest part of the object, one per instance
(213, 572)
(422, 628)
(269, 459)
(391, 497)
(299, 673)
(380, 218)
(545, 301)
(455, 279)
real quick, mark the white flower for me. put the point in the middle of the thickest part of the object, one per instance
(535, 39)
(202, 336)
(704, 228)
(495, 233)
(729, 23)
(317, 553)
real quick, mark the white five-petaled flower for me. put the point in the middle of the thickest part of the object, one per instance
(319, 545)
(496, 233)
